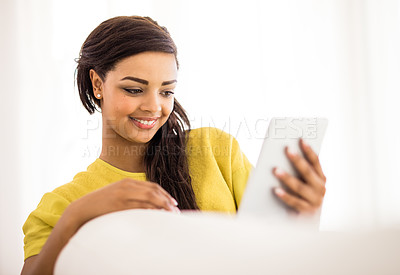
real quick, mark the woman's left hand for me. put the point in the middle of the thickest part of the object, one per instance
(306, 194)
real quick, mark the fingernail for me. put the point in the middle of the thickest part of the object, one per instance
(291, 152)
(305, 143)
(176, 210)
(175, 202)
(279, 191)
(279, 172)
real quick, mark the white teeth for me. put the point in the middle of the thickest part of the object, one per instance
(145, 122)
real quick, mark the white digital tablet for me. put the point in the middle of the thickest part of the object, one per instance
(259, 199)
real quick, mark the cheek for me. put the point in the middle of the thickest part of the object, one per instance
(168, 107)
(121, 105)
(125, 106)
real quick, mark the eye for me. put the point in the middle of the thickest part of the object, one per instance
(167, 93)
(134, 91)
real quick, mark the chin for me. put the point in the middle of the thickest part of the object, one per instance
(143, 137)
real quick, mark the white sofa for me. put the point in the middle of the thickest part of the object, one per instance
(160, 242)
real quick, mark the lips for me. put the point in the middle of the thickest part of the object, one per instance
(144, 122)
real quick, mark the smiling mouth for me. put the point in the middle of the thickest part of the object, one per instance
(143, 124)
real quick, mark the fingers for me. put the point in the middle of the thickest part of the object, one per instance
(140, 204)
(152, 193)
(299, 188)
(305, 169)
(312, 158)
(294, 202)
(157, 187)
(147, 205)
(143, 193)
(305, 194)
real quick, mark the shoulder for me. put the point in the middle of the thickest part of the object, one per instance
(208, 132)
(212, 143)
(82, 183)
(209, 135)
(218, 167)
(41, 221)
(58, 199)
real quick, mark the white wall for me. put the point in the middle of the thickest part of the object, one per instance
(10, 180)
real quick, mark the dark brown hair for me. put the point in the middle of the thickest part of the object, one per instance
(117, 38)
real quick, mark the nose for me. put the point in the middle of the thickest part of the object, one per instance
(151, 103)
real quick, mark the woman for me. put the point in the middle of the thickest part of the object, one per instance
(128, 69)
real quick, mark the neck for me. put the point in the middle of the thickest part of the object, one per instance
(123, 154)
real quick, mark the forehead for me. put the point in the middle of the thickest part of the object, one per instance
(151, 66)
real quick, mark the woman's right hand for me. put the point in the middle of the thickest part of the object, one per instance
(121, 195)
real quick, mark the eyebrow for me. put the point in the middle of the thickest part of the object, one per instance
(145, 82)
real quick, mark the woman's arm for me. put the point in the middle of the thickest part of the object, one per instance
(43, 263)
(122, 195)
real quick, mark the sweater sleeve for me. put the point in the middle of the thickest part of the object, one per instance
(217, 165)
(241, 168)
(41, 222)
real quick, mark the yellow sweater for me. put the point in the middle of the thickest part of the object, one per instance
(218, 168)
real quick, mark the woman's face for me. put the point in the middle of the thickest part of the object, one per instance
(137, 96)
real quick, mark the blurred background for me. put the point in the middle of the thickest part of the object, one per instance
(241, 63)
